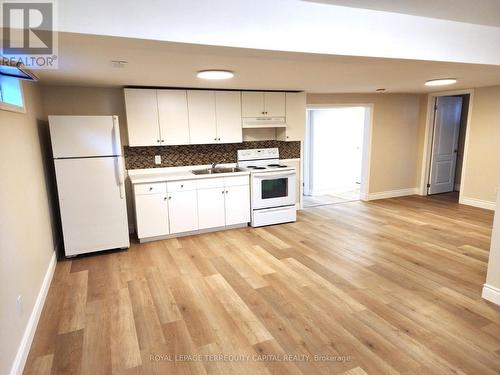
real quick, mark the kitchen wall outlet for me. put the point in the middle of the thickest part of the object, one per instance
(157, 159)
(19, 305)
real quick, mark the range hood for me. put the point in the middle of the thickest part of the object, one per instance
(263, 122)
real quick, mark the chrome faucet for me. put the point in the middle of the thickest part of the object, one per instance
(215, 164)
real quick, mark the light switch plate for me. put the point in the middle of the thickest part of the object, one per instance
(157, 159)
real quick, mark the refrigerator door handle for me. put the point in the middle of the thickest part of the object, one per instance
(121, 177)
(116, 136)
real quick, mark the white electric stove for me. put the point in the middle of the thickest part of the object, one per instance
(272, 186)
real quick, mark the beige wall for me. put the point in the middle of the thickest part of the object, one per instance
(26, 220)
(482, 164)
(396, 129)
(64, 100)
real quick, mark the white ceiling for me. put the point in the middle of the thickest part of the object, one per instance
(288, 26)
(480, 12)
(86, 60)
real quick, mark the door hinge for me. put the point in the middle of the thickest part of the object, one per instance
(435, 107)
(428, 185)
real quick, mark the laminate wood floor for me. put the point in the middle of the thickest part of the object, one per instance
(385, 287)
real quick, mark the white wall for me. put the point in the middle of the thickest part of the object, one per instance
(26, 219)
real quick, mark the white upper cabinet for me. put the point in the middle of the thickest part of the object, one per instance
(252, 104)
(228, 116)
(295, 117)
(173, 117)
(202, 122)
(142, 117)
(263, 104)
(274, 104)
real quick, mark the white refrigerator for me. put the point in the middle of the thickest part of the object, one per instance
(90, 183)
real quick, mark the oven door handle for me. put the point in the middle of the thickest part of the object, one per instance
(274, 174)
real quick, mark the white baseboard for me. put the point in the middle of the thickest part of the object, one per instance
(392, 194)
(491, 294)
(487, 205)
(25, 344)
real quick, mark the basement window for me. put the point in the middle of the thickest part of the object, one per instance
(11, 94)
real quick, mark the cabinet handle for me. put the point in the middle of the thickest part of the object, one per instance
(165, 198)
(222, 191)
(169, 198)
(215, 139)
(182, 186)
(163, 140)
(226, 191)
(157, 141)
(218, 139)
(150, 188)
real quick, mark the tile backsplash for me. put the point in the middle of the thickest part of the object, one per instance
(176, 156)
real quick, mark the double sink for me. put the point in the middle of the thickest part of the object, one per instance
(216, 170)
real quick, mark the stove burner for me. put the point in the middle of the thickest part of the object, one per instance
(276, 166)
(255, 167)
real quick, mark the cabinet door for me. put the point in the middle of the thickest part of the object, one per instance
(142, 117)
(237, 204)
(274, 104)
(295, 116)
(211, 208)
(201, 108)
(183, 211)
(173, 117)
(252, 104)
(151, 215)
(228, 115)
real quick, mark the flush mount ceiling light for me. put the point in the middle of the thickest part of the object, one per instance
(119, 63)
(215, 74)
(441, 82)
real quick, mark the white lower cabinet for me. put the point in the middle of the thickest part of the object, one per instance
(183, 211)
(237, 208)
(189, 205)
(152, 215)
(211, 208)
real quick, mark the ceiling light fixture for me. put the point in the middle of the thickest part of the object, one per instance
(119, 63)
(441, 82)
(215, 74)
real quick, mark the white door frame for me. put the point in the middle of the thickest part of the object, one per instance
(429, 130)
(367, 144)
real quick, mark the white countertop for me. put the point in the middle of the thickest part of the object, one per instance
(142, 176)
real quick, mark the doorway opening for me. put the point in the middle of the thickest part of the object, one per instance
(450, 114)
(336, 154)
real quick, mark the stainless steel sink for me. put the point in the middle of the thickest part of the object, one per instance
(216, 170)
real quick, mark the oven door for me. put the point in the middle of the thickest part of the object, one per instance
(273, 189)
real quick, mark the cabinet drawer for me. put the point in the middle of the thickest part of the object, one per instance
(209, 183)
(156, 188)
(181, 186)
(236, 180)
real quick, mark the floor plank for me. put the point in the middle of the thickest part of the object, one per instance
(383, 287)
